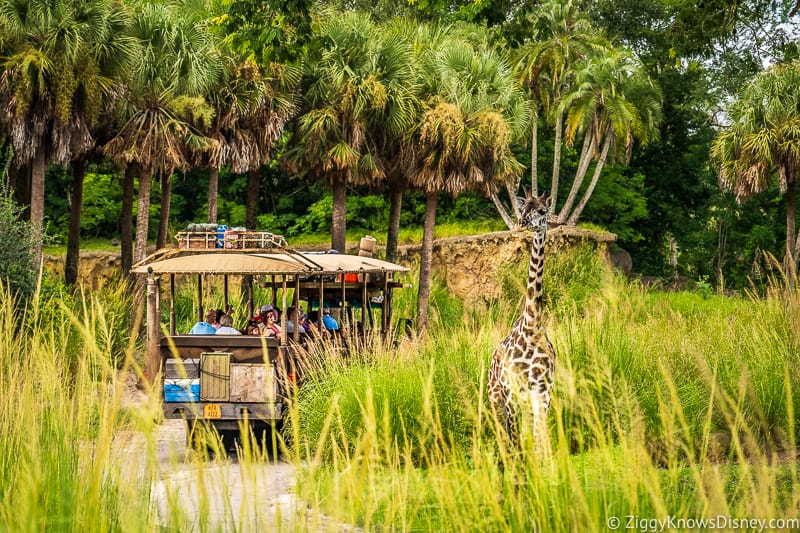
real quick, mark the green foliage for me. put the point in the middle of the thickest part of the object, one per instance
(571, 279)
(619, 204)
(17, 271)
(661, 400)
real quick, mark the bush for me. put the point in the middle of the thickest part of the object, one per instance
(17, 270)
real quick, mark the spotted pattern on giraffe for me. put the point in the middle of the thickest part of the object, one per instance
(521, 375)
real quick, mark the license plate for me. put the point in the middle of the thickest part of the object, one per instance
(212, 410)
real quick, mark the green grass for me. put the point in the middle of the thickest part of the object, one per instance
(409, 235)
(666, 404)
(321, 240)
(87, 245)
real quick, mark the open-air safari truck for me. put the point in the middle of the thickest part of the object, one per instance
(234, 381)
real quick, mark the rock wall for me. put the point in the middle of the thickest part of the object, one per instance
(468, 264)
(95, 269)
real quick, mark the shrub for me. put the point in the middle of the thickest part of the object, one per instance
(16, 254)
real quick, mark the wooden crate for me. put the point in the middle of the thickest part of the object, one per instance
(197, 241)
(252, 383)
(215, 376)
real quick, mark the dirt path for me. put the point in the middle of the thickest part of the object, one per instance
(222, 494)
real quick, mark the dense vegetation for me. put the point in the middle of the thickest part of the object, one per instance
(667, 405)
(369, 117)
(673, 123)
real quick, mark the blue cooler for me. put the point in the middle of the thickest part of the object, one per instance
(182, 390)
(221, 235)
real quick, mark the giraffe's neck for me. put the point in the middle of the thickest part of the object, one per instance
(533, 298)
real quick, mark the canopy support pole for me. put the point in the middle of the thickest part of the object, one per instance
(172, 304)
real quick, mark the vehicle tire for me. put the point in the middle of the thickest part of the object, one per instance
(205, 439)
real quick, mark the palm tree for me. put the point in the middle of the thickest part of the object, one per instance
(464, 137)
(251, 106)
(60, 59)
(392, 127)
(612, 103)
(164, 111)
(762, 143)
(358, 81)
(561, 36)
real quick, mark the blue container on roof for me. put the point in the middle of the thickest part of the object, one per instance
(221, 235)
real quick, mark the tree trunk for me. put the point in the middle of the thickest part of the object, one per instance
(512, 195)
(251, 203)
(556, 162)
(534, 157)
(213, 191)
(598, 169)
(74, 235)
(38, 169)
(791, 206)
(142, 217)
(163, 215)
(339, 221)
(426, 261)
(583, 166)
(502, 210)
(393, 235)
(126, 219)
(23, 191)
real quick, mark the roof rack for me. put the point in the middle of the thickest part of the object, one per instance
(229, 240)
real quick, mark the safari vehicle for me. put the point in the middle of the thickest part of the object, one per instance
(232, 381)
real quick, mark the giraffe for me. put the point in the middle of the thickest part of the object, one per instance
(521, 375)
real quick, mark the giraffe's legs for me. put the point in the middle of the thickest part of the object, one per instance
(512, 425)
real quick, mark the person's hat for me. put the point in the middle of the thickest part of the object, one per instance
(326, 311)
(266, 308)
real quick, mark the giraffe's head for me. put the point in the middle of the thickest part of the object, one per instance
(533, 212)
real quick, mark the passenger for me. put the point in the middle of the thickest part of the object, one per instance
(312, 318)
(226, 326)
(205, 327)
(271, 328)
(216, 322)
(252, 328)
(290, 319)
(261, 317)
(309, 322)
(328, 321)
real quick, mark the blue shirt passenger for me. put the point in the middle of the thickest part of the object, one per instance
(328, 321)
(205, 327)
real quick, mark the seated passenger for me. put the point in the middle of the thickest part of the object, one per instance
(261, 317)
(290, 319)
(309, 322)
(226, 326)
(328, 321)
(252, 328)
(205, 327)
(271, 328)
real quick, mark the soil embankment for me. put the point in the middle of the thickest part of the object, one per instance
(468, 264)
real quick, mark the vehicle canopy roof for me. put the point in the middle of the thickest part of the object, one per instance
(309, 263)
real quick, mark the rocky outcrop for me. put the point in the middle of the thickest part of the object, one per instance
(95, 269)
(469, 265)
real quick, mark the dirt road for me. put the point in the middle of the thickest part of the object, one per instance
(223, 494)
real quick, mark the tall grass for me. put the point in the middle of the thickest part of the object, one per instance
(666, 405)
(59, 419)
